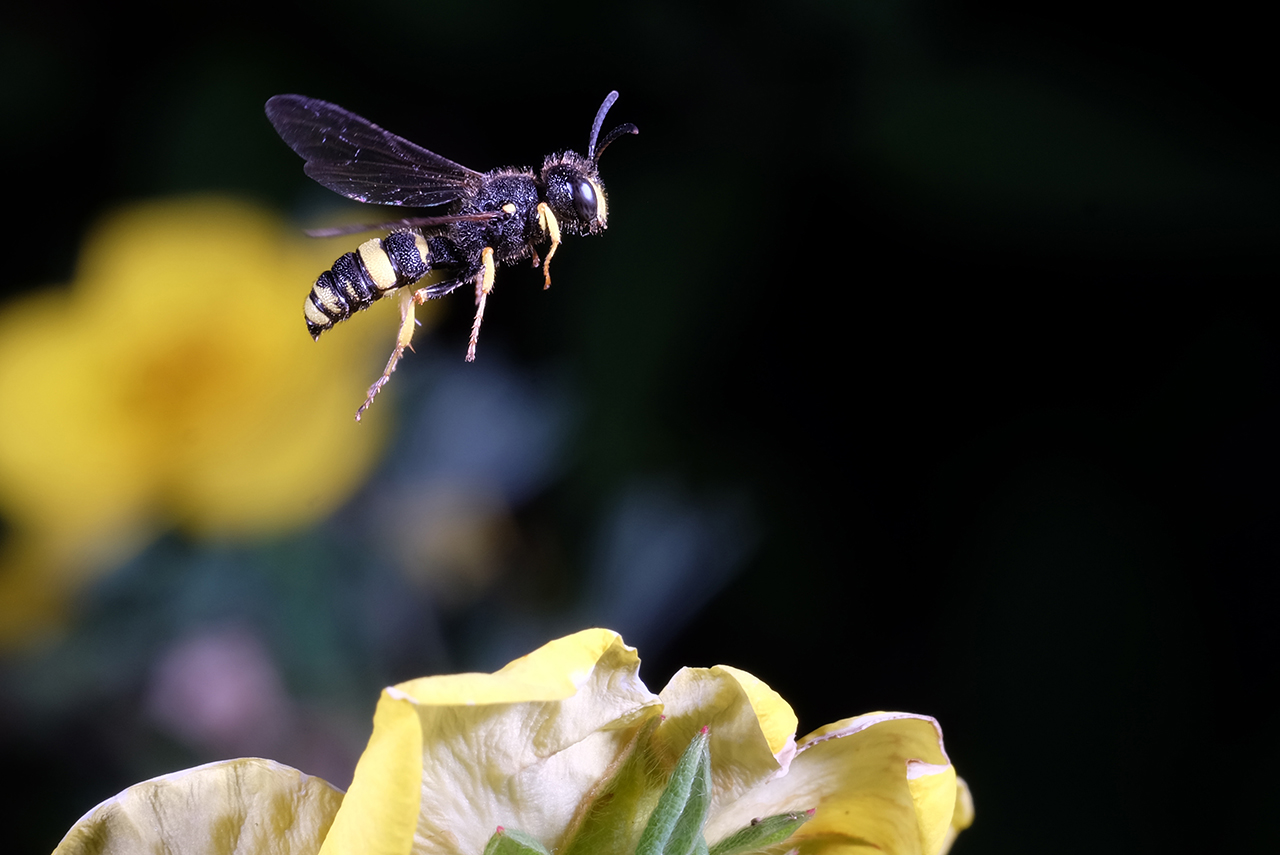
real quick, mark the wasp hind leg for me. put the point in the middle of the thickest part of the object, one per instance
(484, 284)
(408, 322)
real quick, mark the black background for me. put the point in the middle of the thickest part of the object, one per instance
(971, 301)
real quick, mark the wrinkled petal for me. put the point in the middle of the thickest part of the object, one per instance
(857, 773)
(752, 727)
(777, 720)
(453, 757)
(235, 807)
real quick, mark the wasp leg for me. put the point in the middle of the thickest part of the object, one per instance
(407, 324)
(551, 226)
(484, 284)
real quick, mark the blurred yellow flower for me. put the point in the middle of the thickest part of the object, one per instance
(565, 750)
(174, 383)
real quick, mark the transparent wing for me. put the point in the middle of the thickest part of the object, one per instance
(439, 289)
(355, 158)
(407, 223)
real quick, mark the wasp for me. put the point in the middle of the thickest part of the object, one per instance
(492, 218)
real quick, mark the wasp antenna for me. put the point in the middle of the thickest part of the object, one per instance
(595, 126)
(621, 130)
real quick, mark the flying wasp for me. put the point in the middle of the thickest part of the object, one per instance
(493, 217)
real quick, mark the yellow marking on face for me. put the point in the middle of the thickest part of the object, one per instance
(602, 207)
(314, 315)
(378, 263)
(329, 299)
(424, 251)
(509, 207)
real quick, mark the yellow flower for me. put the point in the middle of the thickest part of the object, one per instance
(568, 748)
(174, 383)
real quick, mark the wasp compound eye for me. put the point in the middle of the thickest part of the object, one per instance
(584, 201)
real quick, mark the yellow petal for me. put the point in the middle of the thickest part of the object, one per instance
(856, 773)
(235, 807)
(962, 818)
(933, 791)
(384, 794)
(752, 727)
(521, 747)
(777, 720)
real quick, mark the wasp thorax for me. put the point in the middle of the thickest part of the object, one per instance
(574, 193)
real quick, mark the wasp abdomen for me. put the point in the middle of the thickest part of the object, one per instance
(357, 279)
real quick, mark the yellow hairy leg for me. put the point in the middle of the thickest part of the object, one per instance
(408, 323)
(484, 284)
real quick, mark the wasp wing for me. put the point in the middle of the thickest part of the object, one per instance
(436, 290)
(407, 223)
(355, 158)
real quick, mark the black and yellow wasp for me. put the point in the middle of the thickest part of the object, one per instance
(493, 217)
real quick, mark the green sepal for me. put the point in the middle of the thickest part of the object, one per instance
(676, 823)
(510, 841)
(618, 811)
(687, 833)
(762, 833)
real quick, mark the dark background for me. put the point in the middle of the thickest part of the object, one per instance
(953, 315)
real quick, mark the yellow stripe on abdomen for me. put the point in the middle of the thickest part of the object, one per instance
(377, 264)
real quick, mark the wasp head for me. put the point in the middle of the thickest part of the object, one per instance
(575, 194)
(572, 182)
